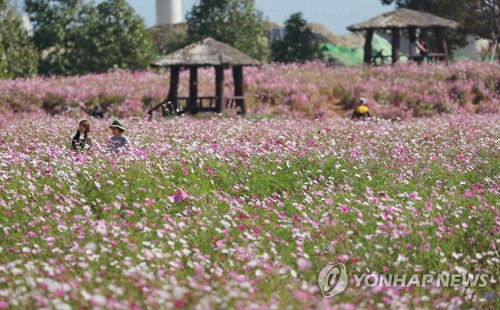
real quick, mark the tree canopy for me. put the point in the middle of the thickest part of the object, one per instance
(235, 22)
(77, 37)
(18, 57)
(117, 38)
(299, 43)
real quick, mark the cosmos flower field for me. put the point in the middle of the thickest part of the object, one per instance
(243, 213)
(312, 90)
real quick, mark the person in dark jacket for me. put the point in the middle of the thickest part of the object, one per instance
(82, 139)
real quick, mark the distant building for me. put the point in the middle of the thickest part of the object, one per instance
(276, 33)
(168, 12)
(27, 24)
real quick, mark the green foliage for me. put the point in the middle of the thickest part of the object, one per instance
(119, 38)
(298, 45)
(169, 38)
(235, 22)
(76, 37)
(104, 102)
(54, 32)
(18, 57)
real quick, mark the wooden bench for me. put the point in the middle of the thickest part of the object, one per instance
(429, 57)
(202, 104)
(434, 57)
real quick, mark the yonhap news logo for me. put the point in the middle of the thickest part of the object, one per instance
(333, 280)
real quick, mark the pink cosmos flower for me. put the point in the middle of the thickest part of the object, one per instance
(220, 244)
(31, 234)
(301, 295)
(179, 303)
(414, 196)
(303, 263)
(468, 194)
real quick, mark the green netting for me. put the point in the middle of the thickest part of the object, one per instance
(354, 56)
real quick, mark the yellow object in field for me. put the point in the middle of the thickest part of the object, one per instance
(362, 109)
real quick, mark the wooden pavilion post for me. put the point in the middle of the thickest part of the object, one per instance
(395, 42)
(219, 88)
(412, 35)
(193, 89)
(174, 87)
(368, 46)
(442, 47)
(238, 88)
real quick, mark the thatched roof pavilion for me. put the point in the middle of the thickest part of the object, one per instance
(404, 19)
(207, 52)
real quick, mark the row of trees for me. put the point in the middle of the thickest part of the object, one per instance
(71, 37)
(78, 36)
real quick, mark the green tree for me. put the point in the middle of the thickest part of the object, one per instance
(235, 22)
(169, 38)
(55, 24)
(299, 43)
(116, 36)
(476, 17)
(18, 57)
(78, 37)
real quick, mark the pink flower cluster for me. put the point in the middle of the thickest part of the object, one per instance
(312, 89)
(245, 212)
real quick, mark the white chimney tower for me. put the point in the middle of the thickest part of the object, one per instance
(168, 12)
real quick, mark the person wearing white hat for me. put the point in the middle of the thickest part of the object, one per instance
(118, 141)
(362, 111)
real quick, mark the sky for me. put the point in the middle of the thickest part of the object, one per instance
(336, 15)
